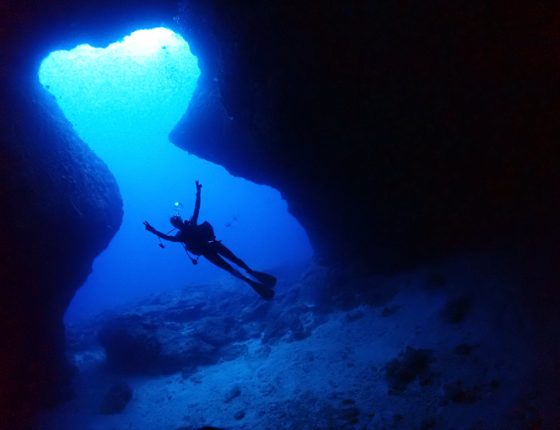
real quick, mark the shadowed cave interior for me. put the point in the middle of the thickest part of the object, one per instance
(416, 146)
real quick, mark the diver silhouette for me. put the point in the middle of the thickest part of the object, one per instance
(199, 239)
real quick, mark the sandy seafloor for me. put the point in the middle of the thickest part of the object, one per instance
(432, 349)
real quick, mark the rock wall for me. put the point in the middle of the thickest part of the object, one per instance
(60, 205)
(398, 132)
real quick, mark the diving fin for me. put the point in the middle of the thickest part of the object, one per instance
(264, 278)
(264, 291)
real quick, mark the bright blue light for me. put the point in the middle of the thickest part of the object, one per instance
(140, 85)
(123, 101)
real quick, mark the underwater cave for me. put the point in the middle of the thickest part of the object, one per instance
(394, 166)
(123, 101)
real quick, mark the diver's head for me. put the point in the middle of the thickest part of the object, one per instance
(176, 221)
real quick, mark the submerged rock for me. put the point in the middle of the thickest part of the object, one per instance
(233, 351)
(129, 347)
(116, 398)
(464, 349)
(468, 393)
(457, 392)
(390, 310)
(218, 331)
(354, 315)
(234, 392)
(180, 351)
(293, 323)
(136, 345)
(239, 415)
(455, 311)
(410, 364)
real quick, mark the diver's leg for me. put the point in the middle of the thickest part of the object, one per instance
(224, 251)
(222, 264)
(264, 291)
(265, 278)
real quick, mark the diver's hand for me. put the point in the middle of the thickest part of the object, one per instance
(198, 185)
(149, 227)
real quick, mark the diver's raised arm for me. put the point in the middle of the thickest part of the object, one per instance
(194, 218)
(159, 234)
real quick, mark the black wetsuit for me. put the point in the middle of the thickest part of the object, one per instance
(199, 239)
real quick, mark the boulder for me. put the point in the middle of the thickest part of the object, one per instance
(116, 398)
(218, 331)
(133, 345)
(411, 364)
(129, 346)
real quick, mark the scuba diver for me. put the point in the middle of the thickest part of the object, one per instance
(199, 239)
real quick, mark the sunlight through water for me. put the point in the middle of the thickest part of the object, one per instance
(123, 101)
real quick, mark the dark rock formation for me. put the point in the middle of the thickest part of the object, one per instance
(60, 207)
(411, 364)
(218, 331)
(398, 132)
(116, 398)
(31, 30)
(456, 310)
(239, 415)
(150, 341)
(473, 375)
(133, 346)
(464, 349)
(155, 343)
(459, 392)
(60, 204)
(232, 393)
(129, 346)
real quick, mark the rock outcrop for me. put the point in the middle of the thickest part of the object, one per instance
(397, 132)
(60, 207)
(60, 204)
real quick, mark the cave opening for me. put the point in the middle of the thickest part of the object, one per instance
(123, 101)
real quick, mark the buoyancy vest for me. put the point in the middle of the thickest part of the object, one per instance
(196, 238)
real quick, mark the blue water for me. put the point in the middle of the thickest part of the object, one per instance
(123, 100)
